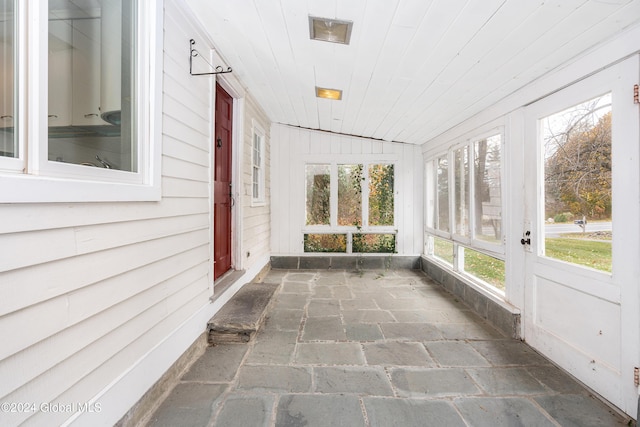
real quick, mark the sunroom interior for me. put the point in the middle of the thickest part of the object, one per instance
(495, 145)
(469, 114)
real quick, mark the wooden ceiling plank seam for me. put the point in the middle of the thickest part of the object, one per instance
(370, 55)
(385, 75)
(460, 22)
(271, 20)
(411, 13)
(322, 8)
(401, 85)
(301, 83)
(445, 56)
(490, 65)
(251, 56)
(426, 98)
(386, 91)
(239, 51)
(585, 37)
(511, 13)
(596, 32)
(465, 90)
(428, 38)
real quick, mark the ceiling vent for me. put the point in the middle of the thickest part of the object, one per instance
(330, 30)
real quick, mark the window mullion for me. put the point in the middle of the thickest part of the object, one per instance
(451, 193)
(472, 193)
(35, 110)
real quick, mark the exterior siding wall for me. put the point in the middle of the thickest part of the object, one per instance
(89, 290)
(292, 148)
(256, 223)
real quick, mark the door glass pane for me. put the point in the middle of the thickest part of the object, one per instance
(380, 195)
(442, 184)
(318, 193)
(91, 75)
(8, 140)
(577, 183)
(350, 194)
(487, 189)
(461, 190)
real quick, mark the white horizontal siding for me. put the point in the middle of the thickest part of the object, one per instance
(89, 289)
(38, 247)
(256, 220)
(19, 218)
(293, 147)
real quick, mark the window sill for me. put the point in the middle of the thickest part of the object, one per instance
(37, 189)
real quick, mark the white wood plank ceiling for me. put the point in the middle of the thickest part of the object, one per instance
(414, 68)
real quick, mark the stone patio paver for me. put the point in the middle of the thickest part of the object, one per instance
(375, 349)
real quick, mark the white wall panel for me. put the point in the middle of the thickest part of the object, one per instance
(256, 224)
(295, 147)
(97, 286)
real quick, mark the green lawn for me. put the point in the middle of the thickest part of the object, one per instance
(594, 254)
(591, 253)
(484, 267)
(443, 249)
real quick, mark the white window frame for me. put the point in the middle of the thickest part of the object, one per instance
(431, 202)
(495, 250)
(431, 215)
(258, 144)
(349, 230)
(31, 177)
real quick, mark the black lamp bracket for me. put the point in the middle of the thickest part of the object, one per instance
(193, 52)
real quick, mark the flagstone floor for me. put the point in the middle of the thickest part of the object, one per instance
(376, 348)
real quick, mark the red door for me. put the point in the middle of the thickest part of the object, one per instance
(222, 201)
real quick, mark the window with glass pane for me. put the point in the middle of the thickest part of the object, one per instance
(461, 191)
(381, 195)
(373, 243)
(8, 139)
(442, 184)
(318, 194)
(350, 194)
(487, 189)
(92, 69)
(483, 267)
(443, 249)
(577, 183)
(257, 179)
(325, 242)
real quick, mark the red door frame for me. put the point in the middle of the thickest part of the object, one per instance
(222, 200)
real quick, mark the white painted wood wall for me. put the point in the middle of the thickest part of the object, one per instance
(98, 299)
(256, 224)
(293, 147)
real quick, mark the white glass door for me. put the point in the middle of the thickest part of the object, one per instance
(582, 201)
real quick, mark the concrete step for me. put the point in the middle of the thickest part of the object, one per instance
(241, 317)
